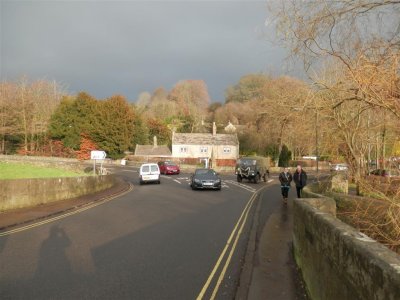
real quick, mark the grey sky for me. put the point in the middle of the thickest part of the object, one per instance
(127, 47)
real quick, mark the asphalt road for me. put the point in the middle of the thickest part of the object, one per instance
(156, 242)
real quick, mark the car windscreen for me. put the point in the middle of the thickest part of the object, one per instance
(154, 169)
(170, 164)
(205, 172)
(247, 162)
(145, 169)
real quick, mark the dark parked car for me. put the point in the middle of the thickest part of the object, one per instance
(385, 173)
(386, 181)
(168, 167)
(205, 179)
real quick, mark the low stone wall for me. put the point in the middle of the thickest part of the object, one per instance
(338, 262)
(25, 158)
(20, 193)
(71, 164)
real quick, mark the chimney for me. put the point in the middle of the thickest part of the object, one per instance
(155, 142)
(214, 132)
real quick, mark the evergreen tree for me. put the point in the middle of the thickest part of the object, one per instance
(116, 128)
(284, 157)
(160, 130)
(73, 117)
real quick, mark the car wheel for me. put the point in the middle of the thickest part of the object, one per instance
(158, 182)
(239, 178)
(255, 180)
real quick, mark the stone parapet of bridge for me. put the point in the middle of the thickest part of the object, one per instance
(336, 260)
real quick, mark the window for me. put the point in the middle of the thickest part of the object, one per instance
(183, 149)
(227, 150)
(203, 149)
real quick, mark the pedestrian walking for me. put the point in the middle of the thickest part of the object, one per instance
(285, 179)
(300, 179)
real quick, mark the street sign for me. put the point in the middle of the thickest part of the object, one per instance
(97, 154)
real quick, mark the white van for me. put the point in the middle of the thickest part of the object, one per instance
(149, 173)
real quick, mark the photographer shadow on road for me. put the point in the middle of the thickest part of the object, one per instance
(53, 262)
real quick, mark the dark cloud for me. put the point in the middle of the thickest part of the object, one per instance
(127, 47)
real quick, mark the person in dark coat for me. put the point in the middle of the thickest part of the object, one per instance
(300, 179)
(285, 179)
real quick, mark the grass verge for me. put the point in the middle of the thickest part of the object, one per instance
(21, 170)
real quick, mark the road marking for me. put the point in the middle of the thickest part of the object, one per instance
(177, 181)
(228, 260)
(242, 220)
(37, 224)
(241, 185)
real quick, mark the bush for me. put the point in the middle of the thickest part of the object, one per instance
(376, 216)
(284, 157)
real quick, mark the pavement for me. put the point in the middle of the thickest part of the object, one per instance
(13, 218)
(269, 270)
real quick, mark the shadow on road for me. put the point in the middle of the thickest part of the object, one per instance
(284, 215)
(54, 272)
(53, 261)
(3, 241)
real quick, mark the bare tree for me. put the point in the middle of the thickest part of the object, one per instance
(271, 109)
(25, 110)
(362, 36)
(8, 122)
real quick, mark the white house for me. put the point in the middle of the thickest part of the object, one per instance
(220, 149)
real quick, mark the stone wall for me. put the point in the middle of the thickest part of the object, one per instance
(337, 261)
(21, 193)
(71, 164)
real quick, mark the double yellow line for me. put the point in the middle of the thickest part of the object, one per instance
(86, 207)
(231, 243)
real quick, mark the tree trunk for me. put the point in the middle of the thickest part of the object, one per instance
(280, 141)
(384, 147)
(3, 144)
(24, 121)
(377, 152)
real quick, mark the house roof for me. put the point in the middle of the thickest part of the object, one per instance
(151, 150)
(204, 139)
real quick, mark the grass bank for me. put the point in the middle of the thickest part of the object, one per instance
(21, 170)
